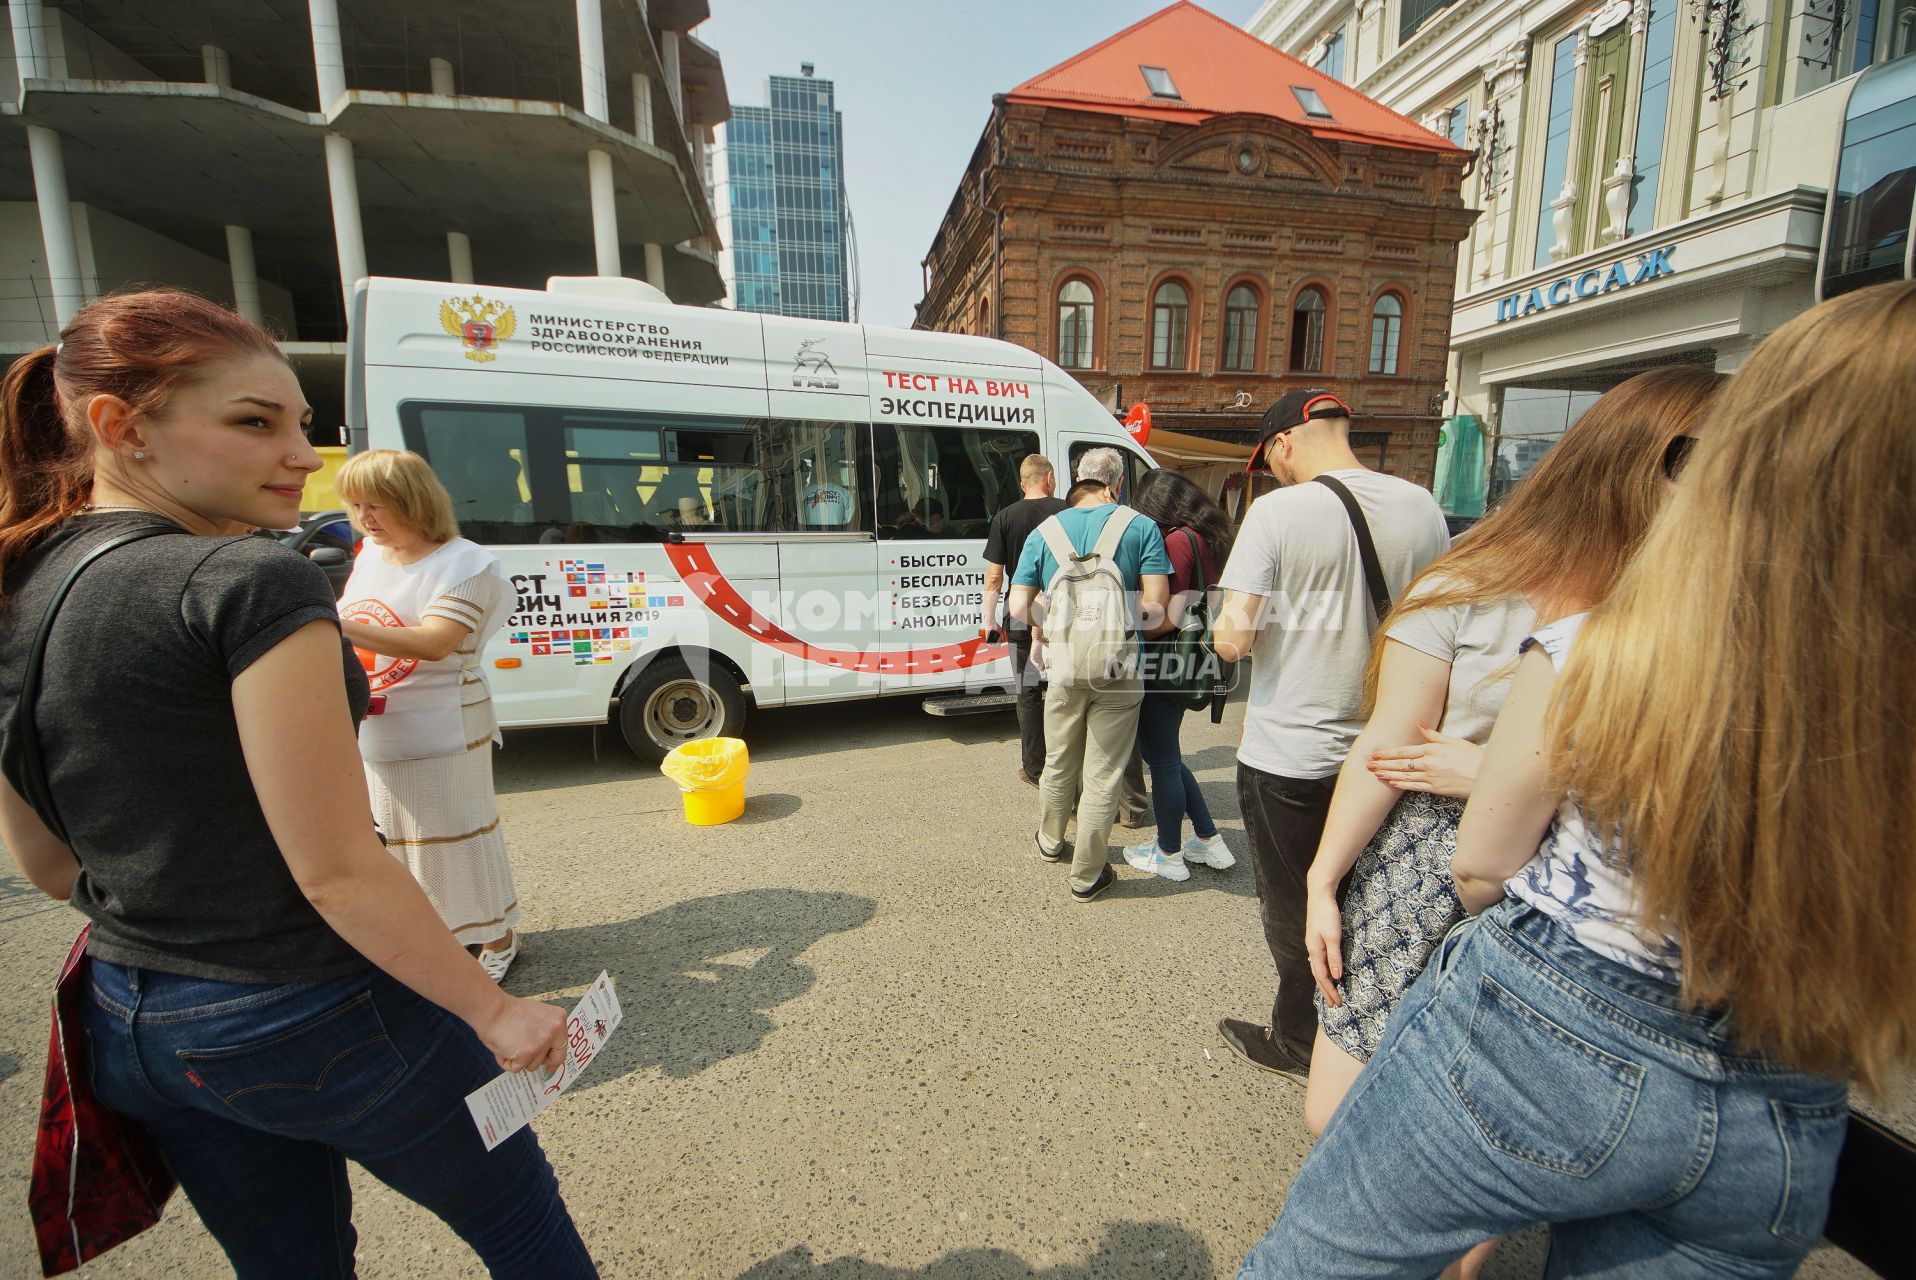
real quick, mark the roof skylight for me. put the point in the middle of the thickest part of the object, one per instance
(1313, 105)
(1158, 80)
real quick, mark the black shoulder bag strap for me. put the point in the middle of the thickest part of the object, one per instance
(20, 727)
(1366, 549)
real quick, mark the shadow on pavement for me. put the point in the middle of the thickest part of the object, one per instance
(695, 979)
(1129, 1251)
(767, 808)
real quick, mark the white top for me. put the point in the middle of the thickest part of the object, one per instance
(1297, 549)
(1582, 882)
(1480, 642)
(423, 715)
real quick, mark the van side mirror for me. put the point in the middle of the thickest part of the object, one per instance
(327, 557)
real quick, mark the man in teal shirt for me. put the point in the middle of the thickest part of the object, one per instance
(1090, 731)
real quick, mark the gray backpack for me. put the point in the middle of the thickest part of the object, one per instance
(1087, 625)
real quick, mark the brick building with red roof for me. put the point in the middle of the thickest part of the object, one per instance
(1184, 215)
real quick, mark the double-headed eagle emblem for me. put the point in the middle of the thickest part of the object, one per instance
(479, 323)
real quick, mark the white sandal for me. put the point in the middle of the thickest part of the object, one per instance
(495, 963)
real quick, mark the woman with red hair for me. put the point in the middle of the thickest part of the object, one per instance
(269, 992)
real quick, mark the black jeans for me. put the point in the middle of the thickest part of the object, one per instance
(1030, 705)
(1284, 818)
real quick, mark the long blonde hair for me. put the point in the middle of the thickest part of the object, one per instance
(1565, 533)
(404, 482)
(1742, 704)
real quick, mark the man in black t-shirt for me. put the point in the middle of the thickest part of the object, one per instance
(1004, 543)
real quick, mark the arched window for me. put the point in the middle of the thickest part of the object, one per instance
(1307, 332)
(1240, 330)
(1170, 317)
(1076, 313)
(984, 317)
(1386, 324)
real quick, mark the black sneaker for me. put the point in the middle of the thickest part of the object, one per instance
(1106, 878)
(1252, 1042)
(1061, 854)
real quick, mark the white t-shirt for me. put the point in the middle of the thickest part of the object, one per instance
(424, 715)
(1297, 549)
(1479, 641)
(1585, 883)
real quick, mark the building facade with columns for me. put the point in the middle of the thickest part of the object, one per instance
(1652, 175)
(270, 153)
(1183, 217)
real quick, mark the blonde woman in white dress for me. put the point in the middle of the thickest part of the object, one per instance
(420, 606)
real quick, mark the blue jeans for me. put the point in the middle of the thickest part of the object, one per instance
(257, 1095)
(1174, 792)
(1526, 1079)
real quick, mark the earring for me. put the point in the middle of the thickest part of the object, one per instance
(138, 454)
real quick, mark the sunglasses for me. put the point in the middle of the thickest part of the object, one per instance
(1676, 454)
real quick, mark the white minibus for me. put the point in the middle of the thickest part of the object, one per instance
(704, 510)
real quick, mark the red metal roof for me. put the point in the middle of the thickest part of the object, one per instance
(1218, 69)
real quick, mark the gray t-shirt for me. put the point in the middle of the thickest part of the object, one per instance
(1297, 549)
(1479, 641)
(178, 869)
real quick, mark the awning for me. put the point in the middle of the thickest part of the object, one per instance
(1178, 451)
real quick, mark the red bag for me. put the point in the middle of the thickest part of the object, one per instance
(97, 1179)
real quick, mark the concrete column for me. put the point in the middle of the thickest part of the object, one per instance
(329, 54)
(605, 213)
(239, 258)
(217, 65)
(642, 107)
(348, 236)
(655, 266)
(459, 254)
(56, 221)
(442, 84)
(669, 56)
(592, 59)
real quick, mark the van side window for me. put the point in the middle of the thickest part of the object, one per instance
(1134, 466)
(945, 482)
(588, 475)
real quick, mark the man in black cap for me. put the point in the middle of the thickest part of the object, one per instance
(1309, 579)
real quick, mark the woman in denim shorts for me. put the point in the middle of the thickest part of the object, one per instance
(1646, 1034)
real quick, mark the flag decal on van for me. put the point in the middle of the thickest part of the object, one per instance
(479, 323)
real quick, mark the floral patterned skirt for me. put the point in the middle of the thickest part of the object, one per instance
(1400, 904)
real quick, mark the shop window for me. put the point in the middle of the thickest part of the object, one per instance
(1386, 327)
(1241, 307)
(1077, 312)
(1308, 315)
(1170, 331)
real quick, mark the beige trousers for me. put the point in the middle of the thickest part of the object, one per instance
(1089, 737)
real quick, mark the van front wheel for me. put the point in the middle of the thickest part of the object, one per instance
(670, 703)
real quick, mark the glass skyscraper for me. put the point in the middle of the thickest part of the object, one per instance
(785, 165)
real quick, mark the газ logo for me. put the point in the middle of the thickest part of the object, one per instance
(480, 324)
(814, 365)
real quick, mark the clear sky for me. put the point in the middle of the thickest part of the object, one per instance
(914, 82)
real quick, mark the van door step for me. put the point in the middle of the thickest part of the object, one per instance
(965, 704)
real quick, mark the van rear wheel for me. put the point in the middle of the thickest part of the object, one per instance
(669, 703)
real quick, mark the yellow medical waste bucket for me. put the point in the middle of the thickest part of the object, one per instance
(711, 777)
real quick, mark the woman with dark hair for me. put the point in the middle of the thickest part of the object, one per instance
(1197, 534)
(267, 991)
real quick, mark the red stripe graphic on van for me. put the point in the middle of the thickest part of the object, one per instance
(704, 582)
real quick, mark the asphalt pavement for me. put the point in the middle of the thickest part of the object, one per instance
(868, 1034)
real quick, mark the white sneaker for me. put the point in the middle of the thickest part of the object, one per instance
(1147, 857)
(1212, 853)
